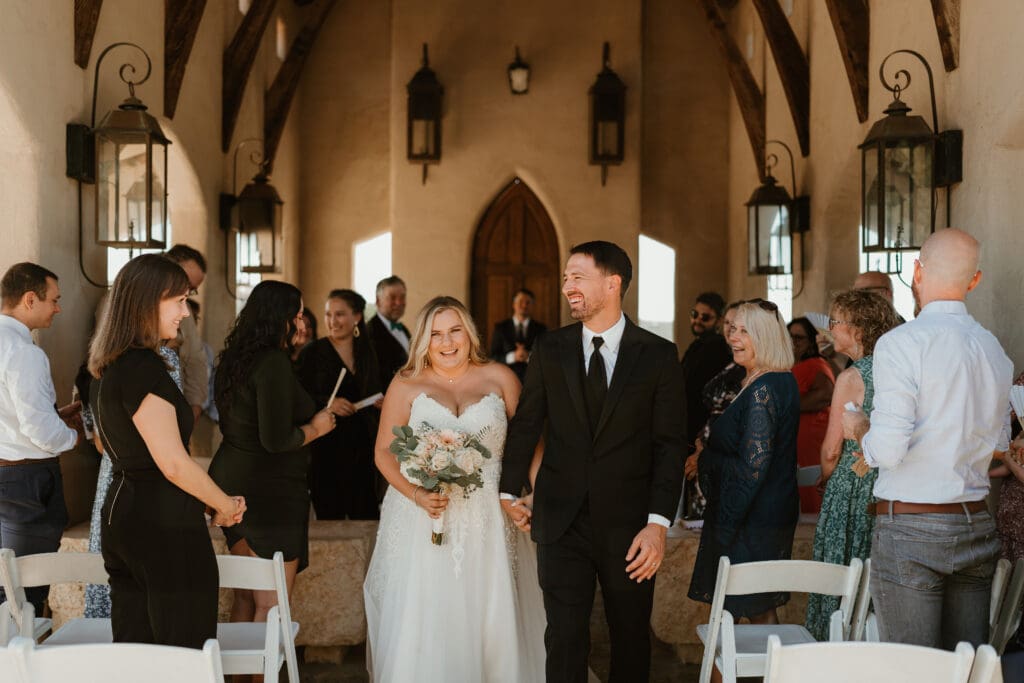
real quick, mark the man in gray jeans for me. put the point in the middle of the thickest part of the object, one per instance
(941, 411)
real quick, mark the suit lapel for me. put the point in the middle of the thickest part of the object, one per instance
(572, 365)
(629, 353)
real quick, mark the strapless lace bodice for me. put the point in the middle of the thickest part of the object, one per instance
(485, 419)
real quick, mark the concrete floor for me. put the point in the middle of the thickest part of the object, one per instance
(665, 666)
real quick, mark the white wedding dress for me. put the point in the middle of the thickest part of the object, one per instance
(467, 611)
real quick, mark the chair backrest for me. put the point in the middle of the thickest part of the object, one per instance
(857, 662)
(119, 663)
(256, 573)
(44, 569)
(986, 667)
(808, 476)
(1010, 611)
(862, 605)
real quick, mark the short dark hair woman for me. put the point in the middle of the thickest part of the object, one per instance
(343, 478)
(156, 546)
(816, 381)
(267, 419)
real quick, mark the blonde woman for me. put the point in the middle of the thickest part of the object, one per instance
(470, 609)
(753, 501)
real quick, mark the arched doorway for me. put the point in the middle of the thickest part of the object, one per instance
(515, 246)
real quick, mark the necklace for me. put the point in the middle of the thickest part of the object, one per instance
(451, 378)
(749, 380)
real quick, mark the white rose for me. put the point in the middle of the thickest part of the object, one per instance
(440, 460)
(464, 459)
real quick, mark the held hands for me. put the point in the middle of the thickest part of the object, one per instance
(342, 407)
(71, 414)
(521, 354)
(323, 422)
(520, 511)
(231, 514)
(855, 423)
(432, 502)
(646, 552)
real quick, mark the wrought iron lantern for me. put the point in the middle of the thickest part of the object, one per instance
(607, 117)
(519, 75)
(254, 215)
(773, 216)
(903, 161)
(423, 128)
(125, 156)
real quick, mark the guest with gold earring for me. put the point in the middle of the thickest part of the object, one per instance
(342, 476)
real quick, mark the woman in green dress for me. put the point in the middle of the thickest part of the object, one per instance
(857, 319)
(267, 419)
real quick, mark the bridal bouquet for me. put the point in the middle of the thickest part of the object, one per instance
(446, 460)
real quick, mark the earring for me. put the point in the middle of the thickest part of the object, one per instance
(355, 332)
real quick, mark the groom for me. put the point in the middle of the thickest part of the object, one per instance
(609, 400)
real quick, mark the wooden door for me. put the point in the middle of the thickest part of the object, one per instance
(515, 246)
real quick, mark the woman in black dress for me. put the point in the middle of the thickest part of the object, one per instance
(749, 464)
(267, 419)
(342, 477)
(156, 546)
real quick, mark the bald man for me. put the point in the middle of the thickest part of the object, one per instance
(875, 281)
(941, 411)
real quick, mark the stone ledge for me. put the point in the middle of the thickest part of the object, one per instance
(328, 595)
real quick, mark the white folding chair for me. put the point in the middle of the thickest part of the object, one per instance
(257, 648)
(118, 663)
(808, 476)
(986, 667)
(46, 569)
(862, 605)
(1009, 611)
(1000, 579)
(739, 650)
(11, 669)
(859, 662)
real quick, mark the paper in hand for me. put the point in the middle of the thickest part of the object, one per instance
(368, 401)
(341, 376)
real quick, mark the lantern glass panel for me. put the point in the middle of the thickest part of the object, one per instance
(519, 79)
(158, 207)
(257, 237)
(872, 230)
(421, 138)
(769, 240)
(607, 139)
(120, 163)
(908, 195)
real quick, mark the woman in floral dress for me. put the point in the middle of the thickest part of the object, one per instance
(857, 319)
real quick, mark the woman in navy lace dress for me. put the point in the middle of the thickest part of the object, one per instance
(749, 464)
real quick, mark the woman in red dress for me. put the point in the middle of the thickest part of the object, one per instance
(815, 379)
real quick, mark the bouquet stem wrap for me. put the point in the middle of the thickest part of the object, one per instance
(437, 530)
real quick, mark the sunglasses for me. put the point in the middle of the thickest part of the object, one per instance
(704, 317)
(765, 305)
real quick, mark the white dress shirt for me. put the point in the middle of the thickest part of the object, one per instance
(942, 387)
(396, 332)
(609, 354)
(30, 427)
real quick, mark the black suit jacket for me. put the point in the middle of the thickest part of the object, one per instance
(631, 467)
(390, 354)
(503, 342)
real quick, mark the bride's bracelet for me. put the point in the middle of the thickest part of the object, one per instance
(416, 495)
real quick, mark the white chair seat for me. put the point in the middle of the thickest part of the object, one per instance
(81, 632)
(752, 644)
(244, 636)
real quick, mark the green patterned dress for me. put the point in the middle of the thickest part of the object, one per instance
(844, 525)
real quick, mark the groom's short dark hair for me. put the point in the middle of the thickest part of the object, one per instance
(610, 258)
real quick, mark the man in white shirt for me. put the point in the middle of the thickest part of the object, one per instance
(941, 410)
(195, 373)
(32, 431)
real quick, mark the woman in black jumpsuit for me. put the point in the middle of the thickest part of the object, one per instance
(156, 546)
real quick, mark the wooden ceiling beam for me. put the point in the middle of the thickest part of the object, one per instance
(791, 63)
(239, 57)
(87, 15)
(852, 26)
(181, 23)
(278, 99)
(748, 94)
(947, 24)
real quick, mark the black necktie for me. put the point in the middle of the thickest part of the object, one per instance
(520, 333)
(597, 384)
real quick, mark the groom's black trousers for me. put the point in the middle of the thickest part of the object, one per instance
(568, 570)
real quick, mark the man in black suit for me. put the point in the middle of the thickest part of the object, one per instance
(513, 338)
(609, 400)
(389, 336)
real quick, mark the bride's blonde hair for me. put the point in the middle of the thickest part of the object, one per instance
(419, 347)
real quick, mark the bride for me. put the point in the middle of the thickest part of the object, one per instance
(469, 610)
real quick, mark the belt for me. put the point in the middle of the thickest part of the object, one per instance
(26, 461)
(901, 508)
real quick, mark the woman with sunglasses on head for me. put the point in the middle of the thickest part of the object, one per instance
(156, 545)
(749, 464)
(857, 319)
(815, 379)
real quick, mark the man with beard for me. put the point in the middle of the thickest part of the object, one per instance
(705, 358)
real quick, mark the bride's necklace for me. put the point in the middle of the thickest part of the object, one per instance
(451, 378)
